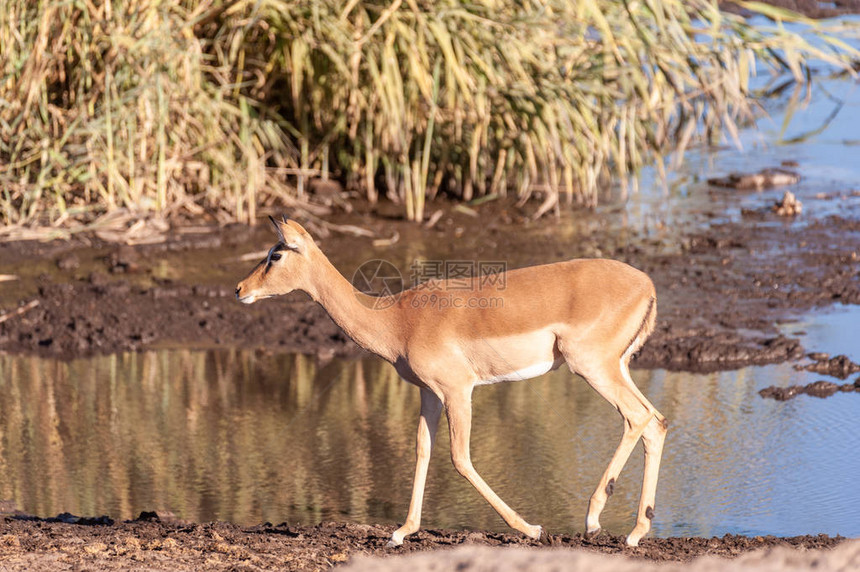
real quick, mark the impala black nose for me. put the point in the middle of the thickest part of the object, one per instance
(237, 293)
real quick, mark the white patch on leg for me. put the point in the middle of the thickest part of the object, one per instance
(634, 346)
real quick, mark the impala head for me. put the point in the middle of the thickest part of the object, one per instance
(286, 267)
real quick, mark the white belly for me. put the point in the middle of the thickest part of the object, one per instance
(524, 373)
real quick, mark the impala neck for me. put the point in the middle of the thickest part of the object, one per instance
(372, 328)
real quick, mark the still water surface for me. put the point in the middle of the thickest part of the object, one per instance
(251, 437)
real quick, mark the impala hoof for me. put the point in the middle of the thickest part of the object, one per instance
(593, 533)
(393, 544)
(544, 538)
(634, 537)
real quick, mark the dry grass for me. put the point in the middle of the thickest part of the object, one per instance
(108, 105)
(179, 107)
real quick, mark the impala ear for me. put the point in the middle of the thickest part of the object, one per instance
(278, 228)
(297, 228)
(290, 233)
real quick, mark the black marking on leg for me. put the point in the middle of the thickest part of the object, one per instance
(665, 423)
(649, 513)
(610, 487)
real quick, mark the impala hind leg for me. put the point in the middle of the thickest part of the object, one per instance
(640, 420)
(652, 438)
(459, 411)
(431, 409)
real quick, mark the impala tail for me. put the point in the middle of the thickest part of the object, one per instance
(645, 329)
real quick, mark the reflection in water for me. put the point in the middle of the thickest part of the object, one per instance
(250, 437)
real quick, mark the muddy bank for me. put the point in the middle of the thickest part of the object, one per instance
(720, 299)
(27, 543)
(720, 291)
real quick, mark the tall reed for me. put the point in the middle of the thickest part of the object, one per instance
(507, 96)
(116, 104)
(184, 106)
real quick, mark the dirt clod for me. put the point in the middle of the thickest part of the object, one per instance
(839, 366)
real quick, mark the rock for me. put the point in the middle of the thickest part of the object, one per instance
(788, 206)
(764, 179)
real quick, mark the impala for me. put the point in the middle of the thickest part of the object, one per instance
(592, 315)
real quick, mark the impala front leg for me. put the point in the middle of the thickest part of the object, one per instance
(459, 408)
(431, 409)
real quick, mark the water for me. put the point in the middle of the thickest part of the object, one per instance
(797, 127)
(250, 437)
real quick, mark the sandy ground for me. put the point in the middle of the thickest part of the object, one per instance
(481, 559)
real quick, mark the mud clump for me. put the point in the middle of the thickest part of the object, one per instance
(68, 261)
(820, 389)
(840, 366)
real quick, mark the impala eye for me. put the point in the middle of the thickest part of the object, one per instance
(275, 256)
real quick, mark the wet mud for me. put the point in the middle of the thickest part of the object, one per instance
(150, 543)
(721, 292)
